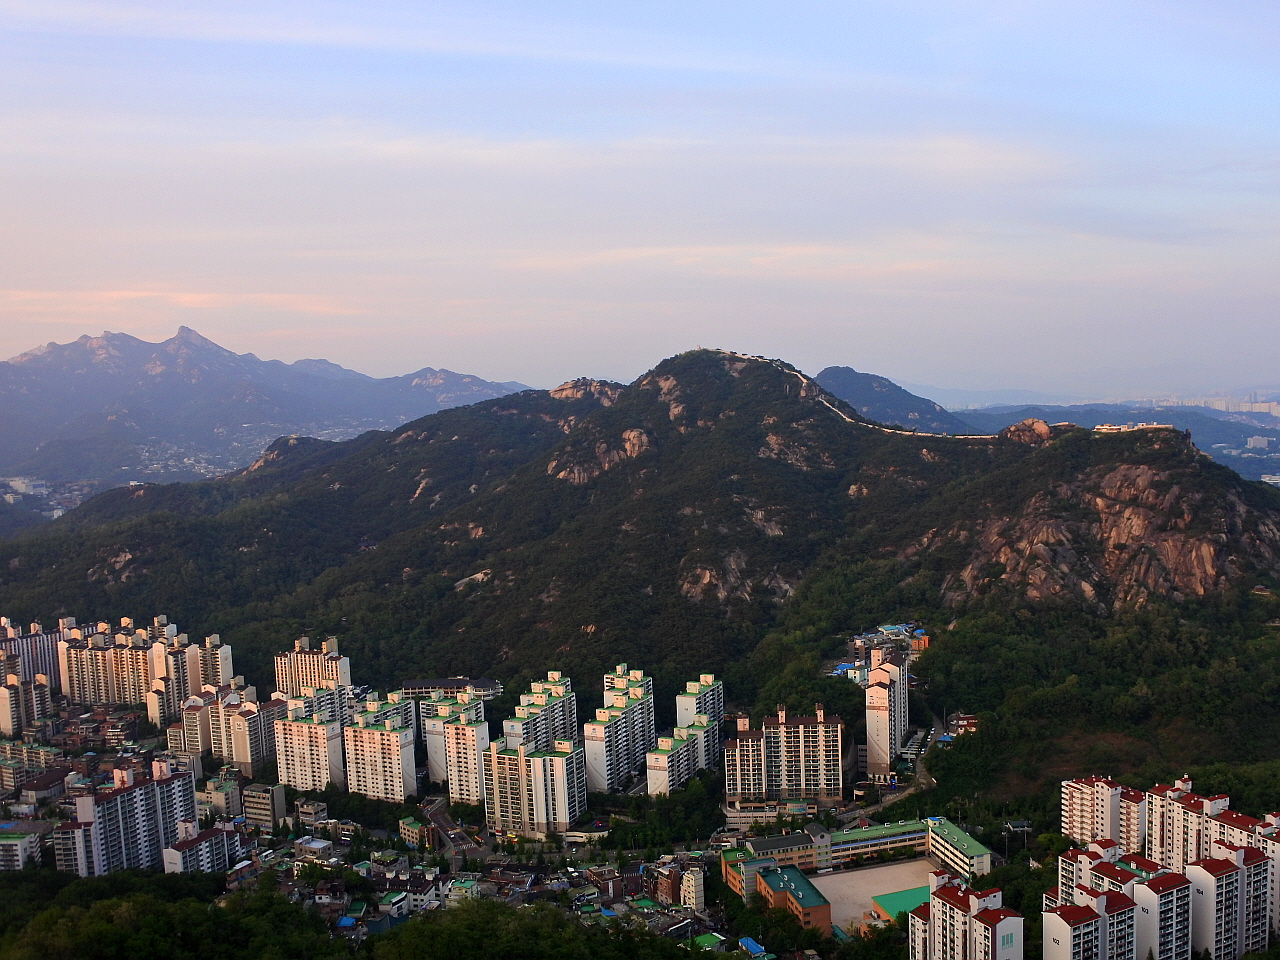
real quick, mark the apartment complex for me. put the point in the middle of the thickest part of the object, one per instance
(309, 751)
(155, 666)
(304, 667)
(616, 741)
(789, 757)
(35, 648)
(703, 697)
(886, 712)
(535, 778)
(1207, 881)
(678, 757)
(378, 749)
(958, 923)
(127, 827)
(230, 723)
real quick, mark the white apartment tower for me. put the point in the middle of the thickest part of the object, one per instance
(36, 648)
(622, 732)
(703, 697)
(532, 793)
(962, 924)
(886, 716)
(678, 757)
(1229, 902)
(22, 702)
(379, 753)
(454, 724)
(309, 751)
(547, 713)
(304, 667)
(535, 778)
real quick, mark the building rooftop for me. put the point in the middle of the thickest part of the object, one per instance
(901, 901)
(789, 841)
(956, 837)
(1074, 915)
(795, 883)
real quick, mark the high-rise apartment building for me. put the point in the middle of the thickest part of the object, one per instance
(1095, 808)
(22, 702)
(229, 723)
(678, 757)
(535, 778)
(1163, 917)
(264, 804)
(547, 713)
(532, 793)
(1230, 897)
(379, 752)
(703, 697)
(127, 827)
(958, 923)
(886, 715)
(215, 850)
(305, 667)
(616, 741)
(788, 758)
(435, 711)
(36, 648)
(465, 742)
(309, 751)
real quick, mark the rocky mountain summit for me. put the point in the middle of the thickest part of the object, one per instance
(668, 521)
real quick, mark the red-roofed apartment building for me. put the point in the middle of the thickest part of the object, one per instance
(1229, 900)
(962, 924)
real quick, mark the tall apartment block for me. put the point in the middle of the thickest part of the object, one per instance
(678, 757)
(547, 713)
(788, 758)
(309, 751)
(155, 666)
(305, 667)
(231, 724)
(378, 748)
(216, 850)
(36, 648)
(1095, 808)
(455, 735)
(535, 778)
(703, 697)
(1230, 896)
(622, 733)
(532, 793)
(962, 924)
(127, 827)
(886, 713)
(22, 702)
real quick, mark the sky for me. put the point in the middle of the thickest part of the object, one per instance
(1074, 196)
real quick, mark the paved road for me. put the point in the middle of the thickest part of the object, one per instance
(453, 834)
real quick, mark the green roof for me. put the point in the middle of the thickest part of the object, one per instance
(643, 903)
(737, 853)
(903, 901)
(390, 897)
(874, 833)
(795, 883)
(709, 941)
(956, 837)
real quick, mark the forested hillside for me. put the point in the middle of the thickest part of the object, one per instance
(721, 513)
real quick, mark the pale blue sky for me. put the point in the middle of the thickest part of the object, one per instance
(1071, 195)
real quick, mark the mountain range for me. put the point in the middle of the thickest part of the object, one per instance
(677, 522)
(122, 408)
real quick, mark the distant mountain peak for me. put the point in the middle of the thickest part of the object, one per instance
(880, 399)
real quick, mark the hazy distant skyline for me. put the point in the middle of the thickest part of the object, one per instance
(1073, 197)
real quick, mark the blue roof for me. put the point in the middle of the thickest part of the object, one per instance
(607, 913)
(345, 922)
(751, 946)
